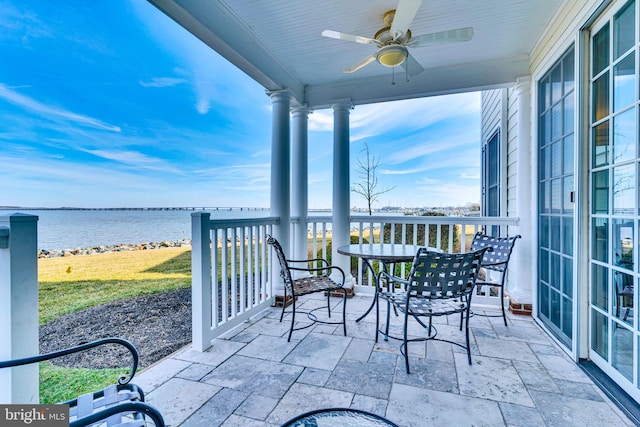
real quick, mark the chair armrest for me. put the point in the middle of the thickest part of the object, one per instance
(391, 279)
(123, 379)
(322, 260)
(492, 264)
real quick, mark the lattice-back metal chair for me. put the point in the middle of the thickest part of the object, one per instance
(624, 295)
(317, 280)
(439, 284)
(496, 260)
(121, 404)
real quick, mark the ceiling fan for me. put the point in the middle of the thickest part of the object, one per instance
(394, 39)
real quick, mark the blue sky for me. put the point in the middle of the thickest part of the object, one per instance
(112, 104)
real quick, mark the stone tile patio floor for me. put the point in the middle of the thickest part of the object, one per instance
(254, 377)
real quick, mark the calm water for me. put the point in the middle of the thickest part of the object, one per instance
(69, 229)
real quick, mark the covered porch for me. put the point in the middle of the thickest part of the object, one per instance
(521, 374)
(252, 376)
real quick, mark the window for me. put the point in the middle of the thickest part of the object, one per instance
(491, 180)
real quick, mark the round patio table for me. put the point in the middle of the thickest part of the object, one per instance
(343, 417)
(386, 254)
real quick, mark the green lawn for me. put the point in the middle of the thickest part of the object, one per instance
(69, 284)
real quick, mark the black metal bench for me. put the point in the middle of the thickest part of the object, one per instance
(119, 404)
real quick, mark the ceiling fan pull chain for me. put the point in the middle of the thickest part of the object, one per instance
(393, 75)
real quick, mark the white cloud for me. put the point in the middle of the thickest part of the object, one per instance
(261, 153)
(321, 121)
(163, 82)
(474, 175)
(215, 81)
(51, 112)
(243, 175)
(451, 193)
(373, 119)
(427, 148)
(134, 158)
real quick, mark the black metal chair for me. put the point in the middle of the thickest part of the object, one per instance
(317, 280)
(496, 260)
(121, 404)
(439, 284)
(624, 294)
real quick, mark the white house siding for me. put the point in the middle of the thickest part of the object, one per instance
(491, 112)
(492, 121)
(561, 32)
(511, 138)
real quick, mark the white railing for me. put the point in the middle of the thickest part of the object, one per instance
(241, 259)
(447, 233)
(231, 278)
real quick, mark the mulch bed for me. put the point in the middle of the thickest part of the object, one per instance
(157, 325)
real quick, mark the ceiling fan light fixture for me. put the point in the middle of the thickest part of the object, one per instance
(392, 55)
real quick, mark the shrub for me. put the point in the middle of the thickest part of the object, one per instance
(354, 261)
(433, 229)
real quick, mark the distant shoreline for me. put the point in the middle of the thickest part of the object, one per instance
(122, 247)
(187, 208)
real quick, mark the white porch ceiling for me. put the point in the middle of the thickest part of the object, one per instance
(279, 44)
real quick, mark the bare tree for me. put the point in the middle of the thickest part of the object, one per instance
(367, 187)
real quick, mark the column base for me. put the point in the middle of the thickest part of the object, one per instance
(351, 292)
(518, 308)
(280, 301)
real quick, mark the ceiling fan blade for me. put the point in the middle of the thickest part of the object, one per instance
(355, 67)
(405, 12)
(412, 67)
(350, 37)
(457, 35)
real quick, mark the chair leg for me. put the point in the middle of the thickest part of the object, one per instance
(293, 318)
(344, 312)
(405, 341)
(463, 299)
(504, 315)
(329, 303)
(377, 301)
(467, 337)
(284, 306)
(386, 329)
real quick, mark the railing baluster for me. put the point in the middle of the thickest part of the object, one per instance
(250, 269)
(266, 263)
(255, 266)
(216, 277)
(324, 240)
(243, 276)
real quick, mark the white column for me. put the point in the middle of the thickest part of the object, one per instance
(520, 286)
(280, 204)
(201, 308)
(299, 180)
(341, 187)
(19, 306)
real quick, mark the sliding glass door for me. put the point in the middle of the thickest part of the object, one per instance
(614, 206)
(556, 141)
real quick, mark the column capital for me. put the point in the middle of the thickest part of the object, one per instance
(279, 95)
(342, 105)
(523, 84)
(301, 111)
